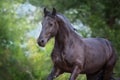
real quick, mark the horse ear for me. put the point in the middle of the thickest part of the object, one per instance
(54, 12)
(45, 12)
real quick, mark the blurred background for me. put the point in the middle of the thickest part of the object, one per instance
(20, 25)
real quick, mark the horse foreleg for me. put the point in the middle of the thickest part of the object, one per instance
(54, 73)
(75, 73)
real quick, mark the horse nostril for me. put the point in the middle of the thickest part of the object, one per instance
(42, 41)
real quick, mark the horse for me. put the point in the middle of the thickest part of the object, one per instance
(95, 57)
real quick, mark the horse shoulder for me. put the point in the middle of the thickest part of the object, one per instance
(74, 54)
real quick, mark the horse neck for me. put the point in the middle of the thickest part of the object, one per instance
(62, 37)
(65, 34)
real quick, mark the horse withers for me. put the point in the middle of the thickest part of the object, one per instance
(73, 54)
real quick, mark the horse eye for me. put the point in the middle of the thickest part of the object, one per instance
(50, 24)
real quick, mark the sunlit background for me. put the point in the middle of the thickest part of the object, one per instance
(20, 25)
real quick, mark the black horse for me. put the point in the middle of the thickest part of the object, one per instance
(94, 57)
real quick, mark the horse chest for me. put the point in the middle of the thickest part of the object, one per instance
(60, 61)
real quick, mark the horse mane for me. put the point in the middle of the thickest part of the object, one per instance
(67, 24)
(66, 21)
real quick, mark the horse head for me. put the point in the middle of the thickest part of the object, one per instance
(49, 27)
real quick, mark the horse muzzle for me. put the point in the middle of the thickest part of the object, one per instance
(41, 42)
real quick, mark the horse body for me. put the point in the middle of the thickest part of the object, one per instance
(85, 52)
(74, 54)
(96, 54)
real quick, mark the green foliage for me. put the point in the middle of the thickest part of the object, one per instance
(40, 59)
(12, 57)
